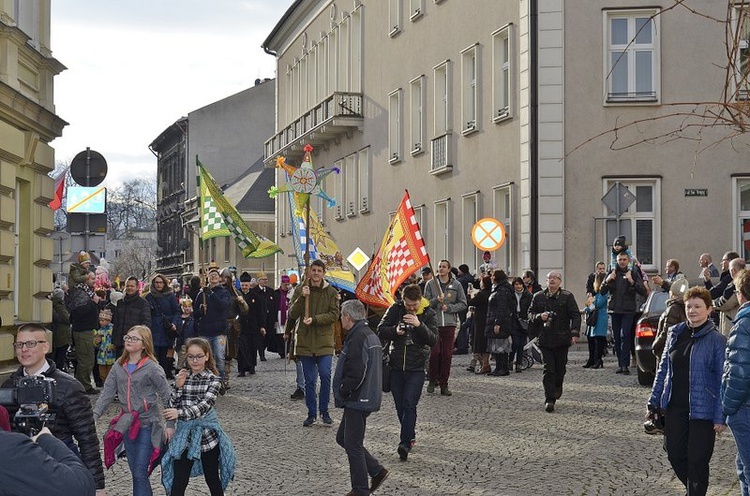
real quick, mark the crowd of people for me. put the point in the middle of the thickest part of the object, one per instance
(164, 352)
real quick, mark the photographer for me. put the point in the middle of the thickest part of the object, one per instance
(40, 465)
(555, 319)
(411, 327)
(72, 408)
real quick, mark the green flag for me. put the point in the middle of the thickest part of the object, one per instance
(220, 218)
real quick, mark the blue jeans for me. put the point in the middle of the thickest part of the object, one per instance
(138, 453)
(300, 375)
(622, 323)
(312, 367)
(219, 350)
(406, 387)
(739, 423)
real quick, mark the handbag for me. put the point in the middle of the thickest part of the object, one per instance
(591, 317)
(387, 368)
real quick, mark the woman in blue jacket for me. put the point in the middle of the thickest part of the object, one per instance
(596, 335)
(165, 315)
(686, 391)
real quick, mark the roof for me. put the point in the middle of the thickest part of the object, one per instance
(249, 192)
(279, 25)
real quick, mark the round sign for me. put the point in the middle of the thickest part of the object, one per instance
(488, 234)
(304, 180)
(88, 168)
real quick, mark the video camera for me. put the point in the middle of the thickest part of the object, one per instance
(33, 396)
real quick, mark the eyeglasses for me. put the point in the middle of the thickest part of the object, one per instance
(28, 344)
(195, 358)
(133, 339)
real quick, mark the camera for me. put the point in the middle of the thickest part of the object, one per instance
(407, 328)
(33, 396)
(550, 319)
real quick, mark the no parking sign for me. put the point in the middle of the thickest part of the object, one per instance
(488, 234)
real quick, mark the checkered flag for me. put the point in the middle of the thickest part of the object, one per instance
(402, 252)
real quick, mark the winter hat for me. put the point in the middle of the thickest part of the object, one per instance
(115, 296)
(175, 283)
(620, 241)
(84, 257)
(464, 268)
(58, 293)
(284, 278)
(679, 287)
(245, 277)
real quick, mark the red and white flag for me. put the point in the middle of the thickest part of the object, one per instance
(56, 202)
(402, 252)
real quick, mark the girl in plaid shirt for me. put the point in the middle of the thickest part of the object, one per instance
(198, 435)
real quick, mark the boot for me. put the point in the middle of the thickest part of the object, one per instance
(431, 386)
(445, 391)
(518, 368)
(472, 364)
(502, 367)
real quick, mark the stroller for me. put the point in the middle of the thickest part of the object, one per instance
(531, 354)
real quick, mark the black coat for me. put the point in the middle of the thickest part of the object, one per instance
(565, 325)
(523, 315)
(130, 311)
(622, 297)
(479, 301)
(73, 417)
(267, 297)
(403, 356)
(84, 313)
(500, 308)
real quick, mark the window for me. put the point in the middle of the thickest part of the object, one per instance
(632, 58)
(416, 111)
(420, 216)
(470, 216)
(338, 190)
(643, 219)
(394, 127)
(442, 230)
(742, 62)
(469, 89)
(352, 185)
(502, 201)
(416, 9)
(501, 73)
(742, 216)
(394, 17)
(441, 144)
(363, 186)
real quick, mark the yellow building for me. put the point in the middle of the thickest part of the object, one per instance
(27, 125)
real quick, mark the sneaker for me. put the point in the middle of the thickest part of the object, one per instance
(308, 422)
(403, 452)
(298, 394)
(378, 479)
(445, 391)
(431, 387)
(327, 420)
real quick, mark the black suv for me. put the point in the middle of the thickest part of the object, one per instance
(645, 332)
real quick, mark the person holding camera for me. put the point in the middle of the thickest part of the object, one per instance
(554, 317)
(50, 467)
(411, 327)
(74, 418)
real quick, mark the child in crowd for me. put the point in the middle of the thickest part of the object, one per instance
(105, 356)
(185, 328)
(199, 436)
(619, 245)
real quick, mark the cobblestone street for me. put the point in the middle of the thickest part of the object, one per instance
(492, 437)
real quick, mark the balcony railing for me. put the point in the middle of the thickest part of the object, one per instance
(337, 114)
(441, 149)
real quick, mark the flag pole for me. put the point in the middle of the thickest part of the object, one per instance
(307, 254)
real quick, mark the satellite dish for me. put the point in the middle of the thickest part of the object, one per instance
(88, 168)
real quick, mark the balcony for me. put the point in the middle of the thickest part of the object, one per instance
(339, 114)
(441, 154)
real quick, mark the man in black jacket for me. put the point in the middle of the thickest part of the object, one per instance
(130, 311)
(554, 314)
(622, 284)
(411, 327)
(74, 418)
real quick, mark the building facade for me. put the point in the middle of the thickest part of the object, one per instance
(28, 124)
(501, 120)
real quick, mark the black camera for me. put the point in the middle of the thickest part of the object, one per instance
(33, 396)
(407, 328)
(550, 319)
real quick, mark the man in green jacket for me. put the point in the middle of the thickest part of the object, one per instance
(314, 341)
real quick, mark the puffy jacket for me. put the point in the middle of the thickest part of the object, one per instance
(706, 366)
(501, 308)
(403, 356)
(565, 325)
(164, 311)
(211, 319)
(735, 384)
(315, 339)
(454, 298)
(130, 311)
(358, 380)
(73, 417)
(623, 294)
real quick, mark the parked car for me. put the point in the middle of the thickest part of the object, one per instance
(645, 332)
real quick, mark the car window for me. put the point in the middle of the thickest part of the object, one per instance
(657, 302)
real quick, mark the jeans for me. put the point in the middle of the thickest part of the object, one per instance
(300, 375)
(690, 444)
(622, 323)
(138, 452)
(351, 437)
(739, 423)
(219, 350)
(441, 355)
(519, 341)
(406, 387)
(183, 466)
(553, 374)
(312, 366)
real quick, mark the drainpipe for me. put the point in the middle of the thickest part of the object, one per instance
(533, 136)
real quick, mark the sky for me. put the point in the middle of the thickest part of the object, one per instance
(135, 67)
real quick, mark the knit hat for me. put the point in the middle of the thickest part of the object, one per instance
(58, 293)
(245, 277)
(115, 296)
(619, 241)
(464, 268)
(84, 257)
(679, 286)
(284, 278)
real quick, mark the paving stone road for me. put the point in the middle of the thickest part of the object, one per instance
(492, 437)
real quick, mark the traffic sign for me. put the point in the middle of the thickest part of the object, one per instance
(82, 200)
(358, 258)
(88, 168)
(488, 234)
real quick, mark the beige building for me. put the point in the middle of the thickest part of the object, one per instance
(27, 125)
(479, 112)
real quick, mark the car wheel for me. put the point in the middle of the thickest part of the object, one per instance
(645, 378)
